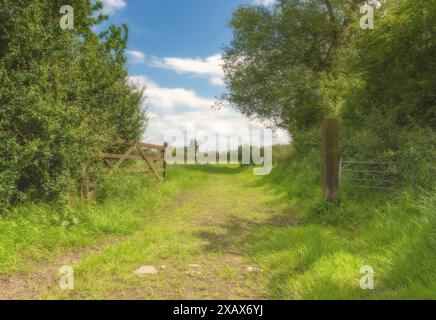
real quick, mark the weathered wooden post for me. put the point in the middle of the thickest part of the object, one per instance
(331, 155)
(164, 161)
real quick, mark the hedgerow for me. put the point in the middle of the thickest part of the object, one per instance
(64, 95)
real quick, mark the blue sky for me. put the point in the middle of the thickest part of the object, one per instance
(174, 50)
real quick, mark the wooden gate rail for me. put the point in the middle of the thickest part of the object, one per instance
(141, 147)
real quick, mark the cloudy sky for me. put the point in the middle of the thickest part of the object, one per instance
(175, 51)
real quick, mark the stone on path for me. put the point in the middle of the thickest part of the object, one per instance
(253, 269)
(146, 270)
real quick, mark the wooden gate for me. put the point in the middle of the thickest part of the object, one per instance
(149, 153)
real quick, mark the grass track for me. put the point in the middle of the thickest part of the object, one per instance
(195, 244)
(223, 223)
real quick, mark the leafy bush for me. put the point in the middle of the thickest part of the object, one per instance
(63, 96)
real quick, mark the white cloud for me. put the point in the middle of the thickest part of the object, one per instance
(174, 108)
(264, 2)
(109, 6)
(137, 57)
(226, 123)
(171, 99)
(210, 67)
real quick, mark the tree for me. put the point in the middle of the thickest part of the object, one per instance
(278, 56)
(63, 96)
(395, 67)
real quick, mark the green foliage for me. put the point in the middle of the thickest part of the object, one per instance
(395, 66)
(388, 110)
(278, 57)
(300, 61)
(411, 149)
(320, 258)
(294, 64)
(63, 95)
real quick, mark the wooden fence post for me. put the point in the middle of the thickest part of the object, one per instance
(331, 155)
(165, 167)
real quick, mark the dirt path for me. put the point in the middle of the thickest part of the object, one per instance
(198, 246)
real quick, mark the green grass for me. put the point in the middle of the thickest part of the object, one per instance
(222, 220)
(192, 232)
(394, 232)
(36, 232)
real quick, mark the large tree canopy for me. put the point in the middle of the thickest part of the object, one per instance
(277, 57)
(300, 61)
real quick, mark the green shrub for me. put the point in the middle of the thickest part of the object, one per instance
(64, 96)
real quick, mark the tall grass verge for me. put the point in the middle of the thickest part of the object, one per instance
(123, 203)
(393, 231)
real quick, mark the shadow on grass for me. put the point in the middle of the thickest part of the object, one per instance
(238, 229)
(275, 244)
(320, 259)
